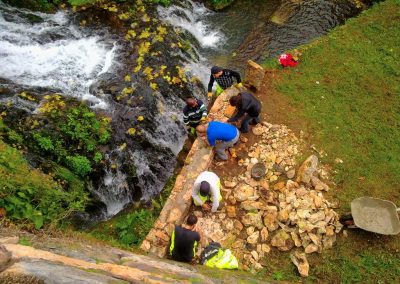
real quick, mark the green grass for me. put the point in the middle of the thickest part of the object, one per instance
(347, 87)
(347, 90)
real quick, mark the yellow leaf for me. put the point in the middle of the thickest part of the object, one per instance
(140, 118)
(153, 86)
(144, 34)
(145, 18)
(176, 80)
(127, 78)
(137, 68)
(130, 131)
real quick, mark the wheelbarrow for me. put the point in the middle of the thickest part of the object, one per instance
(374, 215)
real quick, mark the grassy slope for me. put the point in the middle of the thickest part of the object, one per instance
(355, 109)
(347, 87)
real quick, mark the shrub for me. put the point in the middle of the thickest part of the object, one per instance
(79, 165)
(28, 194)
(134, 228)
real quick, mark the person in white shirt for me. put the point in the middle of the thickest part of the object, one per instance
(206, 190)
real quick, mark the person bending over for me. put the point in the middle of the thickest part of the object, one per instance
(219, 134)
(248, 105)
(194, 112)
(207, 189)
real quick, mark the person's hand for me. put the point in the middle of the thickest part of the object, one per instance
(206, 206)
(203, 119)
(239, 86)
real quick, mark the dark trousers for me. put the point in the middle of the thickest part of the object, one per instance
(244, 128)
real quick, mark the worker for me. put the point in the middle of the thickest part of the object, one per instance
(219, 134)
(194, 112)
(207, 189)
(225, 78)
(248, 105)
(184, 240)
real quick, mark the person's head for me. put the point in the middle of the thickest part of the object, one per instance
(191, 220)
(191, 102)
(236, 100)
(216, 71)
(204, 188)
(202, 129)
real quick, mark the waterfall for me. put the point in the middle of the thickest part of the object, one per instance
(52, 52)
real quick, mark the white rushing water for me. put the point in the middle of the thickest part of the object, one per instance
(192, 18)
(51, 52)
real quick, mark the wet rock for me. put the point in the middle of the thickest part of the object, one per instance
(282, 241)
(307, 169)
(253, 219)
(231, 211)
(300, 260)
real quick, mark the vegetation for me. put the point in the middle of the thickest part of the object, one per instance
(346, 88)
(30, 195)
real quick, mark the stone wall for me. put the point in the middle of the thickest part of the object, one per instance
(178, 204)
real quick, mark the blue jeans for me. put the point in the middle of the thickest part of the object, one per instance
(244, 128)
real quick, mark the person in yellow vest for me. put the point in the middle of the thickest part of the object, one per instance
(206, 190)
(184, 240)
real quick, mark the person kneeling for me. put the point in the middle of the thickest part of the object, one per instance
(206, 189)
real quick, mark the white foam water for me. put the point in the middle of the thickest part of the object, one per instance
(51, 53)
(192, 18)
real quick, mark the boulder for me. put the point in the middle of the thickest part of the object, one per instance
(307, 169)
(254, 75)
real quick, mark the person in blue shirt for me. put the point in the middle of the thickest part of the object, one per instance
(219, 134)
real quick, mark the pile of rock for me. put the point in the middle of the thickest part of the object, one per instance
(281, 210)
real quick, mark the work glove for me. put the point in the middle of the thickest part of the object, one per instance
(239, 85)
(209, 95)
(203, 119)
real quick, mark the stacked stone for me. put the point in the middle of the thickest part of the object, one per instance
(281, 210)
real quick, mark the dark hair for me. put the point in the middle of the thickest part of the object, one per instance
(236, 100)
(215, 69)
(191, 220)
(191, 101)
(204, 188)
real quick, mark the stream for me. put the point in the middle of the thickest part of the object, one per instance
(55, 53)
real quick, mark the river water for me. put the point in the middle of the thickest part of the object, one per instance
(52, 51)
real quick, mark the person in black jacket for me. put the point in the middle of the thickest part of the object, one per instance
(245, 103)
(224, 77)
